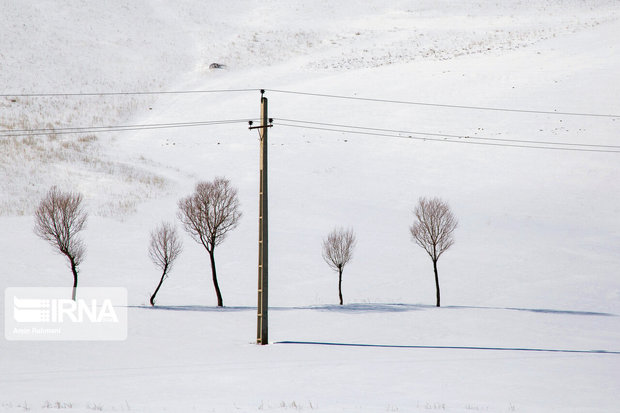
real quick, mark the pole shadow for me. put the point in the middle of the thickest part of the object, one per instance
(539, 350)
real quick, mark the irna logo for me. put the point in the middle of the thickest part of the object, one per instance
(50, 314)
(28, 310)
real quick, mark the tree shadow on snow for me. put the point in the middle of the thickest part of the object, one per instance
(539, 310)
(354, 308)
(204, 308)
(348, 308)
(358, 308)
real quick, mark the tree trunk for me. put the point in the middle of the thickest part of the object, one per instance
(161, 281)
(215, 284)
(436, 282)
(340, 284)
(75, 278)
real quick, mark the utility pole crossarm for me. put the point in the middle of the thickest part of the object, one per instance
(260, 127)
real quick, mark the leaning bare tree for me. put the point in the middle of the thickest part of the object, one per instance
(58, 219)
(164, 249)
(208, 215)
(338, 251)
(433, 230)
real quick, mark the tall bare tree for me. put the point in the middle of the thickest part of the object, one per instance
(338, 251)
(208, 215)
(58, 219)
(164, 249)
(432, 230)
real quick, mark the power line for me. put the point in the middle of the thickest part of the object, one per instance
(441, 105)
(115, 128)
(321, 95)
(171, 92)
(329, 127)
(447, 140)
(445, 135)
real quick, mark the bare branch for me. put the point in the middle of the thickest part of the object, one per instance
(338, 251)
(58, 219)
(165, 246)
(338, 248)
(164, 249)
(434, 226)
(208, 215)
(210, 212)
(433, 230)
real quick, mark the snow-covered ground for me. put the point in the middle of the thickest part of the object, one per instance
(530, 291)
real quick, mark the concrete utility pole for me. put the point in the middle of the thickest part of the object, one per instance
(263, 228)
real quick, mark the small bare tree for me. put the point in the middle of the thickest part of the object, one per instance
(433, 230)
(164, 249)
(208, 215)
(338, 251)
(58, 219)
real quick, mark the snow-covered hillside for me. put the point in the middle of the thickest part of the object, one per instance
(530, 289)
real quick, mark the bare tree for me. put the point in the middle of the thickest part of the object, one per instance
(58, 219)
(208, 215)
(338, 251)
(433, 230)
(164, 249)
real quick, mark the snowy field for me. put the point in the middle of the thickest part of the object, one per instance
(530, 316)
